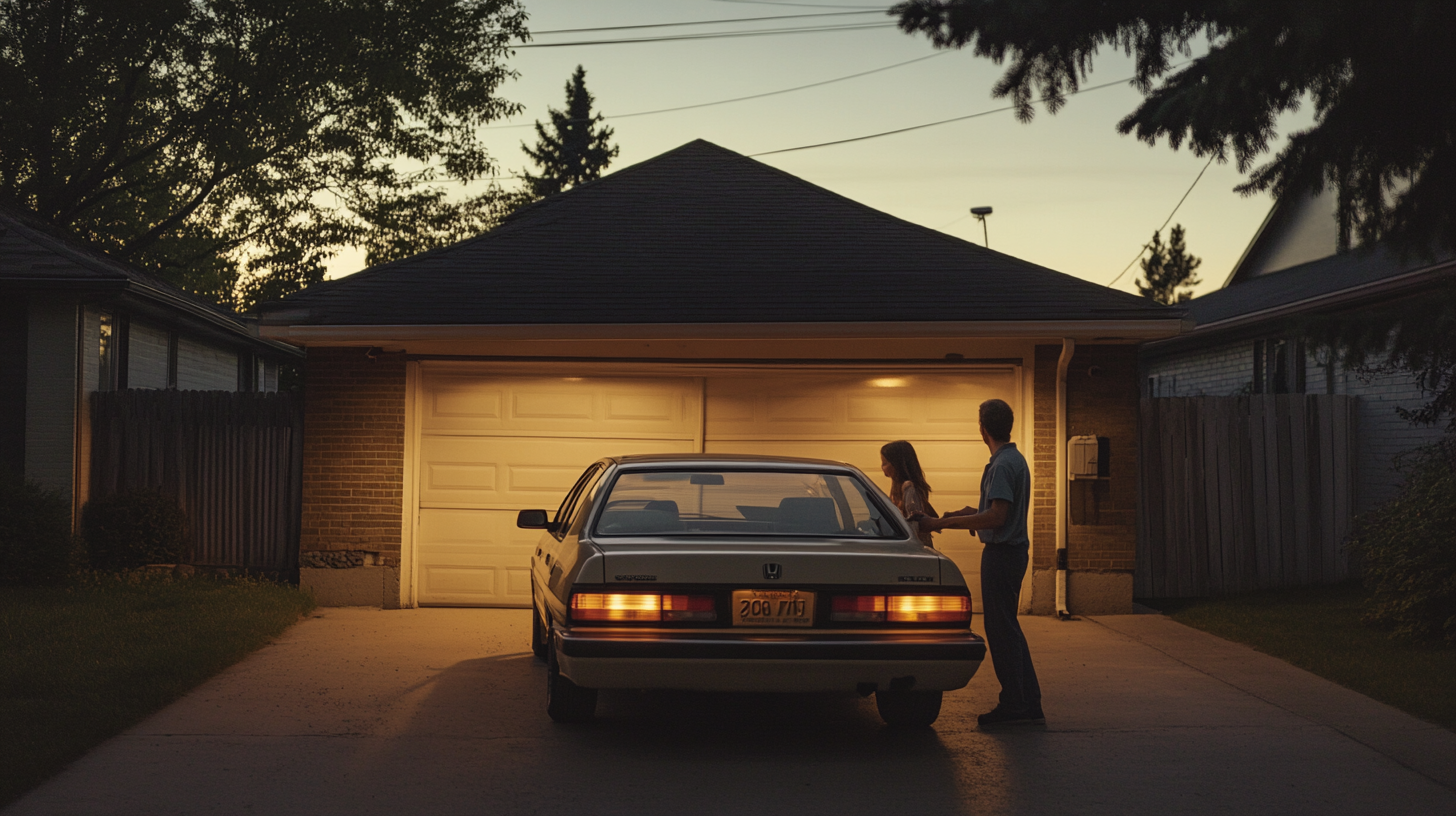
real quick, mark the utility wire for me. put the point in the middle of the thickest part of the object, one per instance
(705, 22)
(1166, 220)
(750, 96)
(929, 124)
(715, 35)
(799, 5)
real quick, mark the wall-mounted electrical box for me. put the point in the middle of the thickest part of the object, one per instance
(1088, 457)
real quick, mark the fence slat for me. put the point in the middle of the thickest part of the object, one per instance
(1239, 493)
(232, 460)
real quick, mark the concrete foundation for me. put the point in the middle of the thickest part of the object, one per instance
(1088, 593)
(361, 586)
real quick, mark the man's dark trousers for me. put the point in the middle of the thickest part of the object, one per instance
(1002, 568)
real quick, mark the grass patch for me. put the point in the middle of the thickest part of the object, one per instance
(80, 664)
(1319, 629)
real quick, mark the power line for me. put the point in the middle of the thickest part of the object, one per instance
(705, 22)
(799, 5)
(716, 35)
(1166, 220)
(751, 96)
(929, 124)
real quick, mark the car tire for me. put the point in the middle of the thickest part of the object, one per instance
(538, 632)
(907, 708)
(566, 702)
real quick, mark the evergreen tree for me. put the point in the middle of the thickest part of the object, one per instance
(1168, 269)
(575, 148)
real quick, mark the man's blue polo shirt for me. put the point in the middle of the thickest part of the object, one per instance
(1007, 477)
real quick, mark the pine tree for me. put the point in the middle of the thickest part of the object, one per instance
(1167, 269)
(575, 148)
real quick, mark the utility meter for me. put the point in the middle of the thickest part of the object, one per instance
(1087, 457)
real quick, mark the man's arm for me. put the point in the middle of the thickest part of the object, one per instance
(967, 519)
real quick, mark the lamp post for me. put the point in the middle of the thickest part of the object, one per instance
(980, 213)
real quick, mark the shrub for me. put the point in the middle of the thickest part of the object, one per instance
(1408, 549)
(133, 528)
(35, 533)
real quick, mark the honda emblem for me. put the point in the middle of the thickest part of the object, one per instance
(773, 572)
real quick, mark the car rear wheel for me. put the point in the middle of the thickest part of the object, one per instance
(566, 702)
(908, 709)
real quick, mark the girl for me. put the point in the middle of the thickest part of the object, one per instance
(908, 489)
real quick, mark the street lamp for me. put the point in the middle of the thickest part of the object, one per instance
(980, 213)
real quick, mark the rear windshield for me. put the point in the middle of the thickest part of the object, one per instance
(743, 502)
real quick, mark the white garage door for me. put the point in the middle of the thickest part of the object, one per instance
(848, 417)
(492, 446)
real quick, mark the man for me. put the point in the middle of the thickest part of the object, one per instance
(1001, 522)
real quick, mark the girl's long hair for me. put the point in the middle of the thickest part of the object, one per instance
(901, 456)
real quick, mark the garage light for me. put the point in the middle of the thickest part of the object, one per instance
(889, 382)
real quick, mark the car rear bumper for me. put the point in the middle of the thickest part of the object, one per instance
(709, 661)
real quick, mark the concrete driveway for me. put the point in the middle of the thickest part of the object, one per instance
(440, 711)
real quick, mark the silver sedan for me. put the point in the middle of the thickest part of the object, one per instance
(743, 573)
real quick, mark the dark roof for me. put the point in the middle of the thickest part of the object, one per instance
(1338, 282)
(1307, 283)
(36, 254)
(704, 235)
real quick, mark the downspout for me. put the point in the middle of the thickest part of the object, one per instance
(1068, 347)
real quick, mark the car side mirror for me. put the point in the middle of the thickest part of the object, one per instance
(532, 520)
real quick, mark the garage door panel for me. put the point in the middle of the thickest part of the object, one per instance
(561, 406)
(474, 558)
(516, 472)
(826, 407)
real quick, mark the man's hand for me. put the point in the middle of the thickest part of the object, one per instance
(966, 519)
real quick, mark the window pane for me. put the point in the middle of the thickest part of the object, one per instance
(738, 502)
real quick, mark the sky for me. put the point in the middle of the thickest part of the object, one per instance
(1068, 191)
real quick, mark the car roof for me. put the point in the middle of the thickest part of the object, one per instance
(726, 460)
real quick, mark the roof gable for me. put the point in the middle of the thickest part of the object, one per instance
(701, 234)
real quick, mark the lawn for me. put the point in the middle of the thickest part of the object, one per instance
(1319, 630)
(82, 663)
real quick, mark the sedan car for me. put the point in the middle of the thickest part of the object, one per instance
(743, 573)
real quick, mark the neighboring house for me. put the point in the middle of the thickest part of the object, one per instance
(698, 301)
(1248, 336)
(74, 321)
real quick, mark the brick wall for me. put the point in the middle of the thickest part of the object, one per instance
(1219, 371)
(1044, 461)
(1102, 400)
(353, 452)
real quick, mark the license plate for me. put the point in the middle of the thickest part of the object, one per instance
(773, 607)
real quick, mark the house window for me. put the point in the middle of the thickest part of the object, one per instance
(1279, 366)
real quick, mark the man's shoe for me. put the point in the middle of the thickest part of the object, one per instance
(1001, 715)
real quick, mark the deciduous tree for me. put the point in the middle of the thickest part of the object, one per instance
(235, 145)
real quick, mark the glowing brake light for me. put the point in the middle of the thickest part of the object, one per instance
(641, 606)
(930, 608)
(616, 606)
(900, 608)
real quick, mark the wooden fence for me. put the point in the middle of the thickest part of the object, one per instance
(1244, 493)
(233, 460)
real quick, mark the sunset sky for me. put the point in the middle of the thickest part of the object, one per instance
(1069, 192)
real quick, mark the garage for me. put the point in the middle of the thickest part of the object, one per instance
(697, 301)
(492, 443)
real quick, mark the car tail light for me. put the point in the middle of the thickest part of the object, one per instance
(900, 608)
(864, 608)
(689, 608)
(616, 606)
(929, 608)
